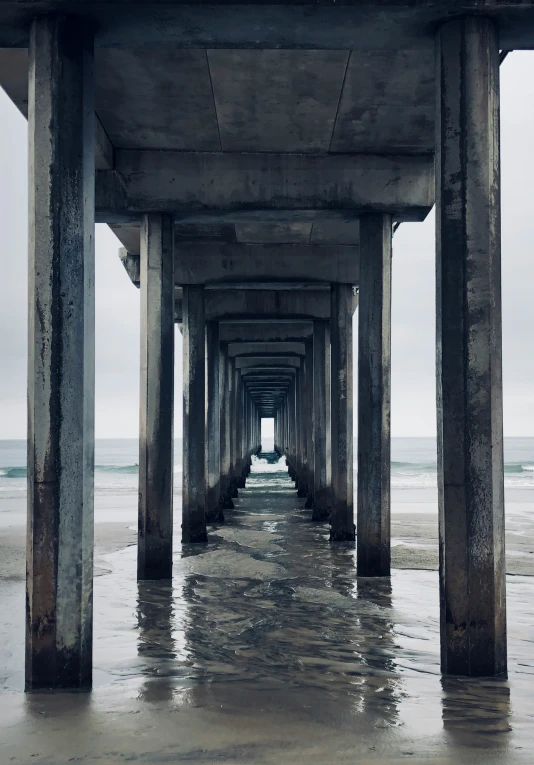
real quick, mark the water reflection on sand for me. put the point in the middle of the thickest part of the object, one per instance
(266, 648)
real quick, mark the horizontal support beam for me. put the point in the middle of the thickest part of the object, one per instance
(255, 349)
(211, 262)
(306, 24)
(267, 304)
(269, 332)
(181, 181)
(257, 363)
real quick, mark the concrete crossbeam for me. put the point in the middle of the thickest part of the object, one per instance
(209, 263)
(175, 181)
(267, 304)
(303, 25)
(247, 349)
(265, 332)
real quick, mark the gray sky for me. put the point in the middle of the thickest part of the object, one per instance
(413, 330)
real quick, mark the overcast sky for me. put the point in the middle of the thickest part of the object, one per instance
(413, 329)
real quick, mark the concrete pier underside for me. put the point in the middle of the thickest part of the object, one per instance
(275, 171)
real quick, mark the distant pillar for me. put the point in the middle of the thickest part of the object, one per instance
(154, 547)
(224, 379)
(469, 378)
(374, 396)
(310, 425)
(239, 425)
(59, 584)
(233, 428)
(214, 512)
(194, 476)
(342, 513)
(301, 432)
(321, 368)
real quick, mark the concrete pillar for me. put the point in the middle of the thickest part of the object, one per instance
(60, 356)
(214, 513)
(194, 475)
(232, 387)
(239, 426)
(154, 547)
(342, 512)
(321, 368)
(374, 397)
(469, 376)
(301, 432)
(224, 379)
(309, 425)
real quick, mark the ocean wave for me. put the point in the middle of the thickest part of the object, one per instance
(518, 467)
(422, 467)
(117, 468)
(262, 465)
(13, 472)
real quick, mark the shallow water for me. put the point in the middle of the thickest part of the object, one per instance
(267, 648)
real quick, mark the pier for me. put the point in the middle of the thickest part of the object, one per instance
(255, 160)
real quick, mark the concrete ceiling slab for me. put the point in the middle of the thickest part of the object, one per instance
(158, 99)
(276, 100)
(388, 103)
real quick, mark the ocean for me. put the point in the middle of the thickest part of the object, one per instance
(413, 466)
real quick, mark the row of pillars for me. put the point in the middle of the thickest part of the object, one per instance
(59, 624)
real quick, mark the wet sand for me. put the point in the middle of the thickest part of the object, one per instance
(109, 537)
(265, 648)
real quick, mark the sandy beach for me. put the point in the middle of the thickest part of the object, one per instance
(265, 648)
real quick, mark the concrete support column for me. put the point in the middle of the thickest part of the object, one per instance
(309, 424)
(214, 513)
(154, 547)
(374, 397)
(342, 512)
(321, 368)
(224, 380)
(194, 474)
(59, 584)
(232, 387)
(240, 430)
(301, 432)
(469, 375)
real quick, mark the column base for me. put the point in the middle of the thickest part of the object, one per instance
(197, 535)
(343, 535)
(216, 515)
(374, 571)
(309, 503)
(320, 514)
(226, 502)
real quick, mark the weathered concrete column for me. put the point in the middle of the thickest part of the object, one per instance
(224, 381)
(321, 368)
(374, 397)
(309, 425)
(214, 513)
(239, 428)
(232, 388)
(301, 432)
(194, 474)
(154, 547)
(469, 377)
(342, 512)
(59, 582)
